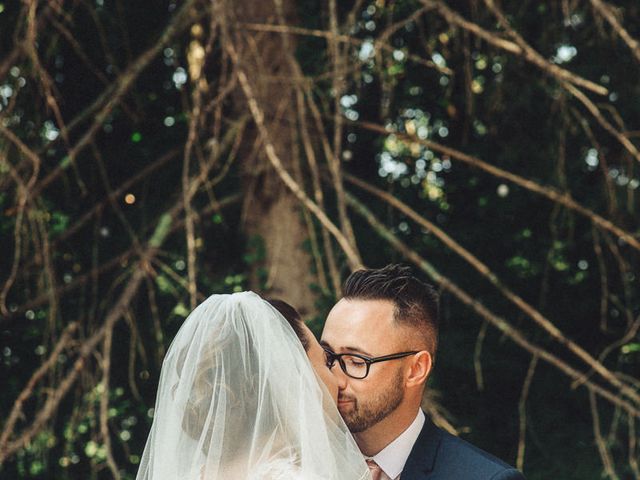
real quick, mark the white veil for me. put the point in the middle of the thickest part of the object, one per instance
(238, 399)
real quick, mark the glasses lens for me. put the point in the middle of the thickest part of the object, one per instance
(354, 366)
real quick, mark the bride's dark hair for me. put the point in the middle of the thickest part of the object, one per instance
(292, 316)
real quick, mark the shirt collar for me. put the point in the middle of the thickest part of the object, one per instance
(391, 459)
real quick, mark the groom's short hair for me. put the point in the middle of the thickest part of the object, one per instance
(415, 302)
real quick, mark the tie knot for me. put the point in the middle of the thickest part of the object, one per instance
(376, 471)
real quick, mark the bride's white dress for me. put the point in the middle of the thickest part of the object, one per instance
(238, 399)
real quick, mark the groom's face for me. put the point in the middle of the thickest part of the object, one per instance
(367, 327)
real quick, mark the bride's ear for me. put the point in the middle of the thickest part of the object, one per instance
(420, 368)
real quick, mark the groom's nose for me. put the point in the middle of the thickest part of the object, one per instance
(341, 377)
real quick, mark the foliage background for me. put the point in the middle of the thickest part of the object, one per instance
(151, 155)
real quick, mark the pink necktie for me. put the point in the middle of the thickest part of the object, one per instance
(376, 471)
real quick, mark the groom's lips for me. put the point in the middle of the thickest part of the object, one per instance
(344, 402)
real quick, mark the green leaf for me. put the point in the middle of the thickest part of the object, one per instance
(181, 310)
(630, 348)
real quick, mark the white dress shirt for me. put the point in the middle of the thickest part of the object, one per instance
(391, 459)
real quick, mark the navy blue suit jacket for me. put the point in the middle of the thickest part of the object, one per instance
(438, 455)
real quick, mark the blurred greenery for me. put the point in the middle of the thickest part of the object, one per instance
(409, 72)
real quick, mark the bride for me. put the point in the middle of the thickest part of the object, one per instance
(238, 399)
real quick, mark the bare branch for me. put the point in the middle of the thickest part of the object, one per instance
(125, 81)
(518, 301)
(547, 192)
(520, 48)
(607, 12)
(269, 148)
(522, 410)
(498, 322)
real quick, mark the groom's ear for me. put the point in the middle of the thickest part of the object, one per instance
(420, 368)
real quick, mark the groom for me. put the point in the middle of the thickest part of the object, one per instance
(381, 339)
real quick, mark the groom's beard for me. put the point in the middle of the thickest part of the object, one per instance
(360, 415)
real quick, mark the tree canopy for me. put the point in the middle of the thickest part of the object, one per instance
(151, 155)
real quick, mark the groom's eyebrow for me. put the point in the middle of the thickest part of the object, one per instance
(351, 349)
(358, 350)
(324, 343)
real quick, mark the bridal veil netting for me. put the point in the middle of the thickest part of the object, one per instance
(238, 399)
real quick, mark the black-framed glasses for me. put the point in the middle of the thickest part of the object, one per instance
(357, 366)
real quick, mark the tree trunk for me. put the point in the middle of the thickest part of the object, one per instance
(272, 215)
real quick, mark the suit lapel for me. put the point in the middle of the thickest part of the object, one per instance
(423, 455)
